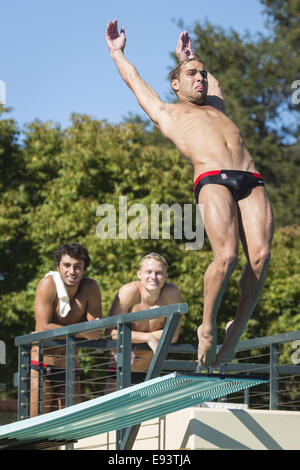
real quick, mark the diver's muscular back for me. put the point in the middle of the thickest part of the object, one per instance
(208, 138)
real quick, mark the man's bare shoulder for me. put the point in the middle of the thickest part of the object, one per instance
(170, 115)
(171, 293)
(87, 283)
(46, 290)
(130, 291)
(127, 296)
(46, 285)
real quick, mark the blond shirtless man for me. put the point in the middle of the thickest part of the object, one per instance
(72, 261)
(150, 291)
(227, 185)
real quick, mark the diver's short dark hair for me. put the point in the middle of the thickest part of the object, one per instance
(176, 71)
(75, 250)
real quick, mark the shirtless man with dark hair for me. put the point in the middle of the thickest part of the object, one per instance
(227, 185)
(63, 297)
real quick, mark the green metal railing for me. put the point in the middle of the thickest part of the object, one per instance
(123, 323)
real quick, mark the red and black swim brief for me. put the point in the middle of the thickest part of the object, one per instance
(240, 183)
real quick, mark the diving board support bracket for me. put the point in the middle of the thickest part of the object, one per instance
(129, 434)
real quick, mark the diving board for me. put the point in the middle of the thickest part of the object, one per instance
(123, 408)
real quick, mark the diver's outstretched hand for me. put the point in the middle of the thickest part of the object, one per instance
(184, 48)
(114, 40)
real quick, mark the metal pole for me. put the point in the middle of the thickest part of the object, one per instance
(246, 393)
(124, 355)
(154, 371)
(70, 370)
(273, 404)
(123, 366)
(41, 380)
(70, 375)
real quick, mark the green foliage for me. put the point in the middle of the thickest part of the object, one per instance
(52, 184)
(95, 163)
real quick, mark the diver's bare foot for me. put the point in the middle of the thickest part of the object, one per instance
(206, 348)
(228, 349)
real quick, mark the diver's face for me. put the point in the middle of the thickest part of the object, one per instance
(192, 83)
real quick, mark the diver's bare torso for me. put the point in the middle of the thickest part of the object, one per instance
(207, 137)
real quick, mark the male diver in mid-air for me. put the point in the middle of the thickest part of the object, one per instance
(227, 185)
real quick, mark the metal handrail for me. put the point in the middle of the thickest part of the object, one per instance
(102, 323)
(123, 346)
(121, 322)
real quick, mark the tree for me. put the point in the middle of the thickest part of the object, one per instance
(53, 182)
(68, 175)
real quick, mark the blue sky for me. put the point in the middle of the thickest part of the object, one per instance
(54, 60)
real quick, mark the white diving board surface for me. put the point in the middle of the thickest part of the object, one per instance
(124, 408)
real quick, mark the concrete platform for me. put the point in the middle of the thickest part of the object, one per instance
(199, 428)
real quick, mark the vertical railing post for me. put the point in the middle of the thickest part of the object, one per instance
(24, 381)
(154, 370)
(41, 379)
(123, 355)
(273, 402)
(70, 370)
(163, 346)
(70, 375)
(246, 393)
(220, 370)
(123, 366)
